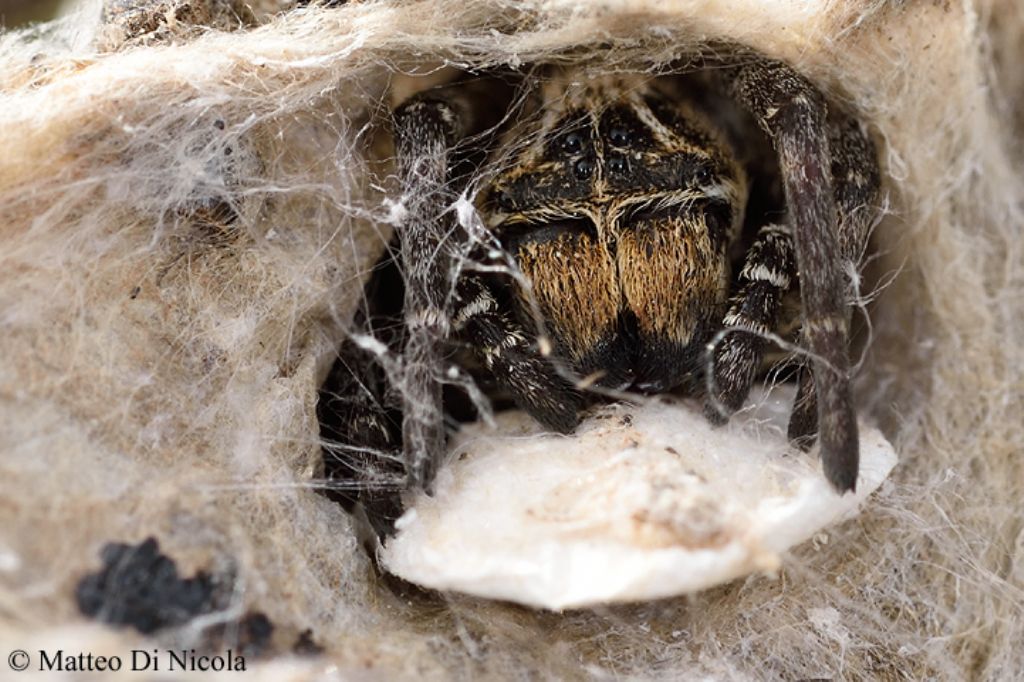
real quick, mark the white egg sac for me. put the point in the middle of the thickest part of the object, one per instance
(642, 502)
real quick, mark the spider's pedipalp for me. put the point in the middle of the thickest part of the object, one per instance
(768, 273)
(510, 355)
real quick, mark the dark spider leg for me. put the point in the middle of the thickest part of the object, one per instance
(512, 358)
(857, 180)
(423, 140)
(360, 441)
(767, 274)
(803, 421)
(793, 114)
(427, 130)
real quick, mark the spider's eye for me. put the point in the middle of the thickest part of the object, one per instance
(619, 137)
(583, 168)
(617, 164)
(573, 142)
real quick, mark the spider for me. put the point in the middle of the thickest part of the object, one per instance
(656, 229)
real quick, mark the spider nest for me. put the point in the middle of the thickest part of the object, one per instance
(188, 222)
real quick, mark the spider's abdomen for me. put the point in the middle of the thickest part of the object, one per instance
(620, 214)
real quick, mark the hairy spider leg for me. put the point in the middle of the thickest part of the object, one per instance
(359, 436)
(856, 181)
(512, 357)
(794, 115)
(428, 129)
(768, 273)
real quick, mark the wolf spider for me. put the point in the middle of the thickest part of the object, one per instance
(653, 228)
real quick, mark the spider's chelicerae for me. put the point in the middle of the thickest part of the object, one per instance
(638, 233)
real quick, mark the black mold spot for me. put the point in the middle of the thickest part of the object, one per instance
(255, 631)
(305, 645)
(250, 636)
(140, 587)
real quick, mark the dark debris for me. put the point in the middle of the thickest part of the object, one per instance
(140, 587)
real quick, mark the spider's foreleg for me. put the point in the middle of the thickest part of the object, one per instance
(424, 139)
(794, 115)
(428, 129)
(511, 356)
(856, 181)
(767, 274)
